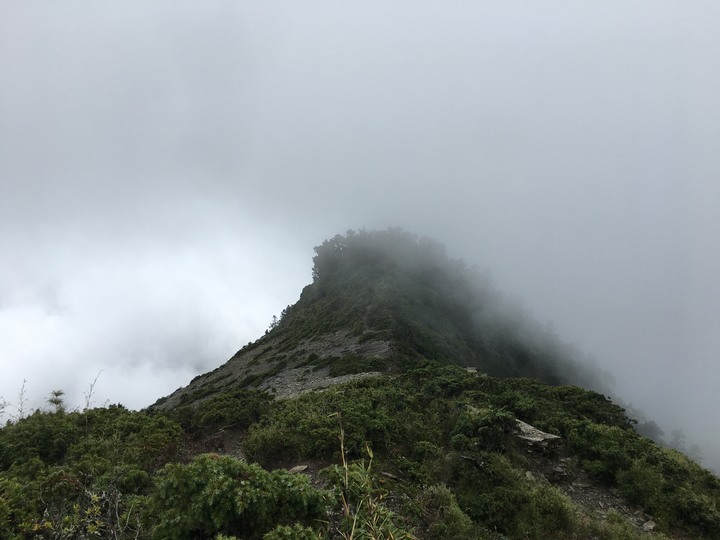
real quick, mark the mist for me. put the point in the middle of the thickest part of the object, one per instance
(166, 169)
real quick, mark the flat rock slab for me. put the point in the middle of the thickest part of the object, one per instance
(533, 435)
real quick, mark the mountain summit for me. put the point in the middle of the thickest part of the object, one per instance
(381, 301)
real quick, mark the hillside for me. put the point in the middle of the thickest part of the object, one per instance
(402, 396)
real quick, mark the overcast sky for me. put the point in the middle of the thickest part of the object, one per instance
(167, 167)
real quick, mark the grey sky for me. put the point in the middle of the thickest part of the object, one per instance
(165, 170)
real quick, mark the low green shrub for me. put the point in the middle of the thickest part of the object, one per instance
(221, 495)
(485, 429)
(442, 518)
(352, 363)
(293, 532)
(238, 409)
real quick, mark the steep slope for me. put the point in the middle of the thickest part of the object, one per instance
(379, 302)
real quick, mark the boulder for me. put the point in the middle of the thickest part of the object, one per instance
(534, 437)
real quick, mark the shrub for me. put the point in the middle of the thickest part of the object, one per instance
(442, 518)
(351, 364)
(484, 429)
(308, 425)
(642, 484)
(237, 409)
(222, 495)
(294, 532)
(47, 436)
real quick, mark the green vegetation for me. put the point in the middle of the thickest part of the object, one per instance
(79, 475)
(429, 453)
(219, 494)
(229, 409)
(435, 424)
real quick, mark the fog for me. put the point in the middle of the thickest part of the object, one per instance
(167, 168)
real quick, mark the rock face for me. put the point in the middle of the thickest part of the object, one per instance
(282, 367)
(295, 381)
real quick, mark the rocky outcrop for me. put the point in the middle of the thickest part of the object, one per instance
(295, 381)
(534, 437)
(281, 366)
